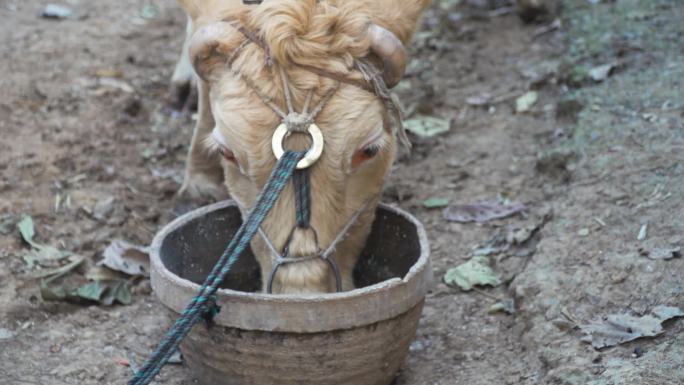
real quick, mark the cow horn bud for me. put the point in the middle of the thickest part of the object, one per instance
(392, 53)
(209, 46)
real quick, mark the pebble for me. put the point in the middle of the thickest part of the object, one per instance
(103, 208)
(416, 346)
(54, 11)
(5, 334)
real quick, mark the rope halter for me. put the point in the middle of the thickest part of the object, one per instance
(293, 122)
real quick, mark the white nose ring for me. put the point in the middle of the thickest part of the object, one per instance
(311, 155)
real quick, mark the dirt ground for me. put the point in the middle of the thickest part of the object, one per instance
(599, 161)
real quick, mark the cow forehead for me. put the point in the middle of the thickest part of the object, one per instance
(349, 118)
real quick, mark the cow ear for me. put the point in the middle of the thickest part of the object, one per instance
(210, 46)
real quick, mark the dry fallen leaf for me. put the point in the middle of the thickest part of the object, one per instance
(658, 248)
(667, 312)
(620, 328)
(127, 258)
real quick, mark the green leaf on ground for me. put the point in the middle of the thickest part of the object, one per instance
(472, 273)
(526, 101)
(91, 291)
(76, 261)
(28, 230)
(29, 260)
(120, 292)
(507, 305)
(40, 252)
(103, 292)
(434, 203)
(427, 126)
(48, 293)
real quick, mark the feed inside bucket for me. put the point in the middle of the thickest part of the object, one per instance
(357, 337)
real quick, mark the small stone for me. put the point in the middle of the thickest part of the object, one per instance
(643, 232)
(562, 324)
(638, 352)
(143, 288)
(103, 208)
(5, 334)
(583, 232)
(568, 110)
(56, 12)
(556, 164)
(176, 358)
(619, 277)
(601, 73)
(417, 346)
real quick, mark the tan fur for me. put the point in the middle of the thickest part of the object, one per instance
(326, 34)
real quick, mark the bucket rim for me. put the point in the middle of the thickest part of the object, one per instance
(297, 312)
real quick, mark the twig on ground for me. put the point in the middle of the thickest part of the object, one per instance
(543, 30)
(566, 313)
(484, 293)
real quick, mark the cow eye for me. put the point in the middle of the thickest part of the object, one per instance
(219, 143)
(227, 154)
(365, 153)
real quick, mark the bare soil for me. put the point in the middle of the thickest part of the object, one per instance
(84, 115)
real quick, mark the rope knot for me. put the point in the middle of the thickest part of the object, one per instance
(211, 310)
(296, 122)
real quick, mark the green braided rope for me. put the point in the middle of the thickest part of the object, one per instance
(197, 307)
(301, 182)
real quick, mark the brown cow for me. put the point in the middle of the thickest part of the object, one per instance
(301, 37)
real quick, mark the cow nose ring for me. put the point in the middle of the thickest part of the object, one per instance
(311, 155)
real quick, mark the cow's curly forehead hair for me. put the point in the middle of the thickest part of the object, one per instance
(313, 33)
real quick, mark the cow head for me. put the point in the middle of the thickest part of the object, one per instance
(294, 38)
